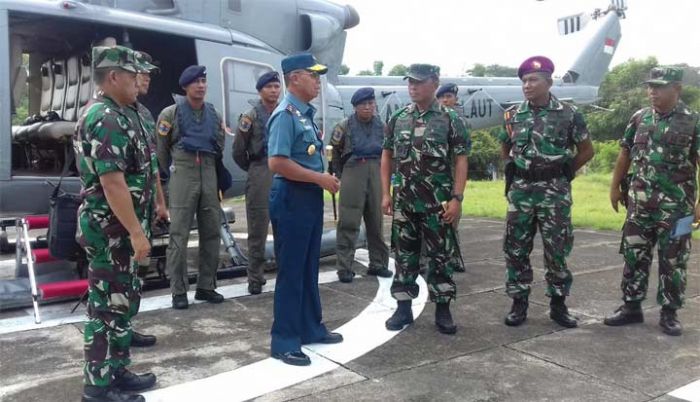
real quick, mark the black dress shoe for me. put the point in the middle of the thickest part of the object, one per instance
(402, 316)
(380, 272)
(518, 312)
(628, 313)
(443, 319)
(345, 276)
(297, 358)
(125, 380)
(255, 288)
(180, 302)
(141, 340)
(331, 337)
(669, 322)
(99, 394)
(210, 296)
(559, 313)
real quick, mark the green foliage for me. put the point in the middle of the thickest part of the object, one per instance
(485, 149)
(493, 70)
(366, 72)
(378, 67)
(399, 70)
(605, 156)
(343, 70)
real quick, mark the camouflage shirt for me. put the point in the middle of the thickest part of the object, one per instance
(664, 150)
(108, 141)
(424, 146)
(142, 118)
(542, 136)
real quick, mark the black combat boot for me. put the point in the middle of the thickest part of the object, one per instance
(142, 340)
(92, 393)
(125, 380)
(669, 322)
(518, 312)
(402, 316)
(559, 313)
(443, 319)
(628, 313)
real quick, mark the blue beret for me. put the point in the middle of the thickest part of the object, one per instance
(447, 88)
(302, 61)
(536, 64)
(362, 95)
(267, 78)
(190, 74)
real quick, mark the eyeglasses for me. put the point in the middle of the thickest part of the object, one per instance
(312, 74)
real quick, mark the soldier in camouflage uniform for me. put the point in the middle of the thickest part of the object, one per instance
(537, 143)
(250, 153)
(424, 144)
(117, 171)
(662, 146)
(357, 149)
(447, 95)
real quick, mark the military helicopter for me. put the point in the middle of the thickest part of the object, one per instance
(47, 43)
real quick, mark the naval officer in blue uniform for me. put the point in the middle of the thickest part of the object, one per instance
(295, 152)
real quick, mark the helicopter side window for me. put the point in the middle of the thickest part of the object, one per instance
(239, 77)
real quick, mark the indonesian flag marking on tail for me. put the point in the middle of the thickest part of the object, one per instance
(609, 47)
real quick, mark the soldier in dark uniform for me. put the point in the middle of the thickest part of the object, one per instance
(250, 153)
(538, 139)
(117, 174)
(662, 147)
(295, 153)
(425, 143)
(190, 139)
(357, 149)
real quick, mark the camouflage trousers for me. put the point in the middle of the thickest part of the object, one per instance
(113, 299)
(642, 231)
(545, 206)
(408, 232)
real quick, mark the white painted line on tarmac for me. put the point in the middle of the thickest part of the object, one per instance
(361, 335)
(690, 392)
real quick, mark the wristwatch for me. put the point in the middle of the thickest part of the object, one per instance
(458, 197)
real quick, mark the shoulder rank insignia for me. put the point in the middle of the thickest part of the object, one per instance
(164, 127)
(244, 124)
(291, 109)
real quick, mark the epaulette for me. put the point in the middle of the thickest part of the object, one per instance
(293, 110)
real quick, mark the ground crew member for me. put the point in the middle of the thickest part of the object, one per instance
(537, 143)
(190, 138)
(142, 119)
(357, 149)
(250, 153)
(447, 95)
(295, 153)
(117, 174)
(424, 144)
(662, 146)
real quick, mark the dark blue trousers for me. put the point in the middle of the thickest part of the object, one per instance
(296, 213)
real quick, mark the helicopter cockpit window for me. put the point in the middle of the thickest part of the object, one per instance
(239, 78)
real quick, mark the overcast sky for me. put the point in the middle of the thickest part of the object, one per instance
(455, 34)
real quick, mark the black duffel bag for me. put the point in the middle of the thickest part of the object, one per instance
(63, 224)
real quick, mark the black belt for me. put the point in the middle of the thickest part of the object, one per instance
(540, 173)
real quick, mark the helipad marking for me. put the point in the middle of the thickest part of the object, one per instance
(690, 392)
(362, 334)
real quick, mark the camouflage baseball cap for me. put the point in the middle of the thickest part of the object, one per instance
(422, 72)
(664, 75)
(115, 57)
(145, 61)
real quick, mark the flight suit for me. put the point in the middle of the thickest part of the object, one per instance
(250, 153)
(106, 141)
(424, 146)
(189, 141)
(357, 149)
(664, 152)
(296, 213)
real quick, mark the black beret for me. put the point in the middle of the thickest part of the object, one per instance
(447, 88)
(362, 95)
(190, 74)
(267, 78)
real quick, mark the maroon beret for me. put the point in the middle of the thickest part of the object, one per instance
(536, 64)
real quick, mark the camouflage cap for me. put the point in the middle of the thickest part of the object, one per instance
(115, 57)
(145, 61)
(422, 72)
(664, 75)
